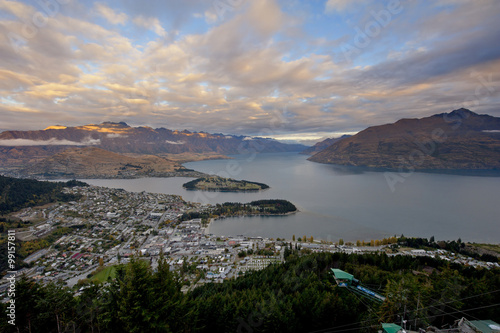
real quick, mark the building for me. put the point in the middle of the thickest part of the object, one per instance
(475, 326)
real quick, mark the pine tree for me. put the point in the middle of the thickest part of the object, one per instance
(27, 295)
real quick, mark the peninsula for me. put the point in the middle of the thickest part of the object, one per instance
(220, 184)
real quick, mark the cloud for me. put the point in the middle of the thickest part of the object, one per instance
(341, 5)
(110, 15)
(210, 16)
(52, 142)
(150, 23)
(116, 135)
(175, 142)
(261, 70)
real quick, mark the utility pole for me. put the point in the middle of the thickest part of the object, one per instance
(404, 316)
(416, 314)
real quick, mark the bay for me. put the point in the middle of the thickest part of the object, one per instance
(343, 203)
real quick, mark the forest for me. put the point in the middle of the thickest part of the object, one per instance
(215, 183)
(299, 295)
(467, 249)
(16, 194)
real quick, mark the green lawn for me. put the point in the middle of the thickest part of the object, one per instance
(103, 275)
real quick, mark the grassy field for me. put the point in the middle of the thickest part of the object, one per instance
(491, 247)
(103, 275)
(110, 271)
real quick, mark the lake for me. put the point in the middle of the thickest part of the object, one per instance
(343, 203)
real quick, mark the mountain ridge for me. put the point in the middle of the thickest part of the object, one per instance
(461, 140)
(21, 148)
(122, 138)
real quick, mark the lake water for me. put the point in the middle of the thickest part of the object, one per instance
(341, 203)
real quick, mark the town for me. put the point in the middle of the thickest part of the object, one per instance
(108, 226)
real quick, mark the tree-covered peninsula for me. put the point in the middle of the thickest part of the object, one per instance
(220, 184)
(258, 207)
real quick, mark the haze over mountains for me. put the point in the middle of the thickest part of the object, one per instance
(461, 140)
(319, 146)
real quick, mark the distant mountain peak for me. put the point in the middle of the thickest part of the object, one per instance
(55, 127)
(462, 112)
(466, 141)
(113, 124)
(92, 127)
(106, 127)
(458, 113)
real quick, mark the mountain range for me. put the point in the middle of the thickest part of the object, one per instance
(122, 138)
(459, 140)
(45, 151)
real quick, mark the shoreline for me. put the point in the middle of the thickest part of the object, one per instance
(252, 215)
(188, 174)
(454, 172)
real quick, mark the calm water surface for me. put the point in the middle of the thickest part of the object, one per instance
(338, 203)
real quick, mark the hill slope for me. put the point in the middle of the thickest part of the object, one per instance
(299, 295)
(457, 140)
(92, 162)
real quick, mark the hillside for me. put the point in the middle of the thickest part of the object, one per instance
(459, 140)
(92, 162)
(297, 296)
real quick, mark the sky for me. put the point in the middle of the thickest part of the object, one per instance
(298, 70)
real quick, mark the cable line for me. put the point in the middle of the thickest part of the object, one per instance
(326, 330)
